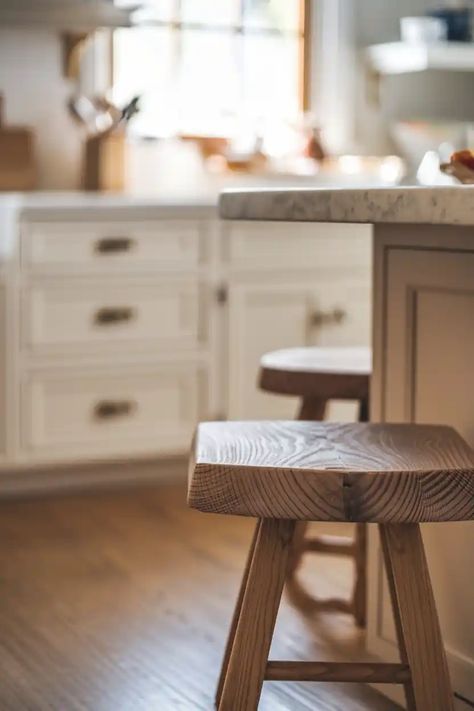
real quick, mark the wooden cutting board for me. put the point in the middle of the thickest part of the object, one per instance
(17, 157)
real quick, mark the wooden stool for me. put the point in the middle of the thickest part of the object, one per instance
(283, 472)
(318, 375)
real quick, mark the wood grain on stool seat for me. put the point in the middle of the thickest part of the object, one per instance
(332, 472)
(325, 373)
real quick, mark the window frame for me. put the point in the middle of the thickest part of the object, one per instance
(303, 32)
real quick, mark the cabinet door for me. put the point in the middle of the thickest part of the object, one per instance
(271, 315)
(427, 353)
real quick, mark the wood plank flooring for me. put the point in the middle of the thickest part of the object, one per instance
(121, 601)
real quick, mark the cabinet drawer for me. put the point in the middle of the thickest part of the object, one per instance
(62, 317)
(109, 245)
(111, 412)
(298, 245)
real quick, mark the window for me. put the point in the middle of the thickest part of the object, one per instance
(205, 67)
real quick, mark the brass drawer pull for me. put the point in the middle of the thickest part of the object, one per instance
(328, 318)
(114, 314)
(107, 409)
(108, 245)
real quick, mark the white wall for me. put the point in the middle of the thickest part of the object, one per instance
(378, 20)
(437, 95)
(35, 94)
(429, 96)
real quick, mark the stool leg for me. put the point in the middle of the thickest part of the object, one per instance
(421, 644)
(235, 617)
(408, 687)
(359, 596)
(261, 600)
(312, 408)
(364, 410)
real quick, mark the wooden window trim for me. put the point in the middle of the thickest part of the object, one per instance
(305, 54)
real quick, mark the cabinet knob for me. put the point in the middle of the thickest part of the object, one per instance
(114, 314)
(108, 245)
(107, 409)
(328, 318)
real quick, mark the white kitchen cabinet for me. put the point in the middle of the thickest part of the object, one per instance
(111, 337)
(290, 284)
(426, 313)
(272, 314)
(263, 317)
(128, 324)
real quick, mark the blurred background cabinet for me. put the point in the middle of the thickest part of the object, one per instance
(292, 285)
(130, 325)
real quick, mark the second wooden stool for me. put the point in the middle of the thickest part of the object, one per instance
(317, 376)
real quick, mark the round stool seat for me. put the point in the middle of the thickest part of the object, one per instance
(325, 373)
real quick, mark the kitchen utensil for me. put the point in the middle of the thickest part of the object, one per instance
(105, 159)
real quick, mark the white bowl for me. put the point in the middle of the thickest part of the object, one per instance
(425, 30)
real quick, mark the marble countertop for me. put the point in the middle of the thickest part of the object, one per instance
(442, 205)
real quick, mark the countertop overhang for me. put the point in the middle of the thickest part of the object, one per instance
(440, 205)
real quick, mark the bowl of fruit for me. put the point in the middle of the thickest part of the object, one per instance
(461, 166)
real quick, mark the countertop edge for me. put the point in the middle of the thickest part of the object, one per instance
(440, 205)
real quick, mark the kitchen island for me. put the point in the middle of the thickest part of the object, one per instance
(423, 341)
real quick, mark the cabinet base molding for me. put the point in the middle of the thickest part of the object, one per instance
(89, 476)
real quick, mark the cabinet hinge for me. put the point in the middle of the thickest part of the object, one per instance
(221, 294)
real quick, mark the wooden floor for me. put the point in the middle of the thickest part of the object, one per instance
(120, 602)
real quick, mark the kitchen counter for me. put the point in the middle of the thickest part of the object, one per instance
(73, 204)
(423, 355)
(442, 205)
(71, 199)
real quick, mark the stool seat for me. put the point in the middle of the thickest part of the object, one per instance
(326, 373)
(288, 472)
(321, 471)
